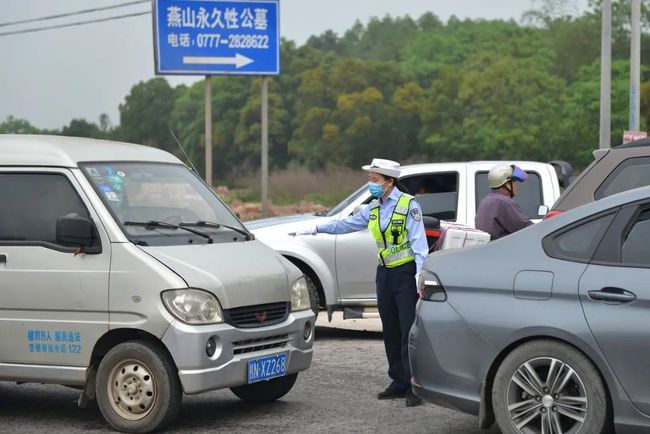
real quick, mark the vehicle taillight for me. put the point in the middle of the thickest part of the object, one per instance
(433, 233)
(552, 214)
(430, 288)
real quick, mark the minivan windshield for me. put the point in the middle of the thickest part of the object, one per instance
(163, 204)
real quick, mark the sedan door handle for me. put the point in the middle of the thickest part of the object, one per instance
(611, 294)
(3, 258)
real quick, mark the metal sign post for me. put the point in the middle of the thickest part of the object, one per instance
(265, 146)
(208, 129)
(635, 65)
(218, 37)
(606, 76)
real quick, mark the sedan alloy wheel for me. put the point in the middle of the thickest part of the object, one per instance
(547, 396)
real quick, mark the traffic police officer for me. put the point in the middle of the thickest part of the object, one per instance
(395, 221)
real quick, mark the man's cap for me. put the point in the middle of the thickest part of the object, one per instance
(384, 167)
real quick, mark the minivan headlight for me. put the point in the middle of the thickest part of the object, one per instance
(300, 295)
(193, 306)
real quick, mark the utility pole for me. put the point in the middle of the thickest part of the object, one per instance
(606, 75)
(635, 65)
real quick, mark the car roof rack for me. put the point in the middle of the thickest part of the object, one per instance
(634, 144)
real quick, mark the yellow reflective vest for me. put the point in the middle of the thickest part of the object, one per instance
(393, 243)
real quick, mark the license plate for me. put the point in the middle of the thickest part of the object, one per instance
(267, 367)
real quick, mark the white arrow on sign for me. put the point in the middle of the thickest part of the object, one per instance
(239, 60)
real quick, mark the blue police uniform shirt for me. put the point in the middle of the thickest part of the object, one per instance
(359, 221)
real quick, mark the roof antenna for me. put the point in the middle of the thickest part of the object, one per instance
(183, 150)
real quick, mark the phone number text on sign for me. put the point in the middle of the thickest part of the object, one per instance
(215, 40)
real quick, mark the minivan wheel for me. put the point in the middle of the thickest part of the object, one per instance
(547, 387)
(314, 300)
(137, 387)
(265, 391)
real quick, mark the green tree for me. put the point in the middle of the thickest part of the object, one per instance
(145, 114)
(580, 118)
(82, 128)
(510, 107)
(13, 125)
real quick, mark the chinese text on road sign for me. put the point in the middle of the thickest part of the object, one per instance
(207, 37)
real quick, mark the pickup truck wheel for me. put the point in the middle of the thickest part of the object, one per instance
(265, 391)
(314, 300)
(137, 387)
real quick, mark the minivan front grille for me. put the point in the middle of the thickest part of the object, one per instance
(261, 315)
(259, 344)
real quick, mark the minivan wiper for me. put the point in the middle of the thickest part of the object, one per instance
(202, 223)
(158, 224)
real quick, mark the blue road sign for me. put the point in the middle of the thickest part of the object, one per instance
(210, 37)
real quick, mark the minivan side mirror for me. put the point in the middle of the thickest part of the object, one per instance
(542, 210)
(74, 230)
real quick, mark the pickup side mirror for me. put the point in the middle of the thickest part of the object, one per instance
(74, 230)
(542, 210)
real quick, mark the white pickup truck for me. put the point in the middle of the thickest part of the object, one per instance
(340, 269)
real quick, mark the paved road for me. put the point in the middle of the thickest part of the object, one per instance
(336, 395)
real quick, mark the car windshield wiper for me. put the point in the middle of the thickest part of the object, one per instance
(206, 224)
(151, 224)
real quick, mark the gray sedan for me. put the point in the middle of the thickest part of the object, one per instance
(546, 330)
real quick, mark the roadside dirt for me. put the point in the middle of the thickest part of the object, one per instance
(253, 210)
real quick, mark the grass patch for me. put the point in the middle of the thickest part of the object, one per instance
(288, 187)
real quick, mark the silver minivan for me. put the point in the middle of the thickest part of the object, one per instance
(124, 275)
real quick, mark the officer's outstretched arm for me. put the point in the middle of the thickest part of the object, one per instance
(352, 223)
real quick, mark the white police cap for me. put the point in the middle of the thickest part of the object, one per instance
(384, 167)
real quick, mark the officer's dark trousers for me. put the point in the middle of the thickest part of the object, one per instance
(396, 299)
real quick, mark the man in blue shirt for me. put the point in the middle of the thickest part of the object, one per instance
(395, 220)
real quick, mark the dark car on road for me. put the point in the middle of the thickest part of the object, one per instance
(550, 330)
(614, 170)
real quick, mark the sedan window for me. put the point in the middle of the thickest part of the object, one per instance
(636, 247)
(579, 241)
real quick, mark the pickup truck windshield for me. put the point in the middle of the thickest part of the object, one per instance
(169, 195)
(347, 201)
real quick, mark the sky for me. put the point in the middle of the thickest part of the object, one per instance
(54, 76)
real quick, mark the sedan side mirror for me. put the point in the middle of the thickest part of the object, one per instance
(542, 210)
(74, 230)
(357, 209)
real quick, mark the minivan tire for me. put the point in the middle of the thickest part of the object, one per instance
(265, 391)
(314, 299)
(585, 384)
(146, 375)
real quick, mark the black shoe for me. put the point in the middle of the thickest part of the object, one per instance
(391, 393)
(412, 400)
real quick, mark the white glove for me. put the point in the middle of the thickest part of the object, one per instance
(308, 231)
(417, 282)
